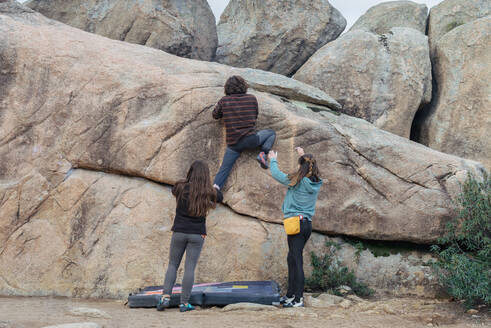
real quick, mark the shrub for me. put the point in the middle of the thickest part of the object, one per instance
(328, 274)
(464, 265)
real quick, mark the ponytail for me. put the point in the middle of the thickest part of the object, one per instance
(308, 169)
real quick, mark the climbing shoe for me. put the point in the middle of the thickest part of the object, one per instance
(186, 307)
(163, 303)
(285, 299)
(261, 158)
(294, 304)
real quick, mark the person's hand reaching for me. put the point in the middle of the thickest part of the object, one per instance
(300, 151)
(272, 154)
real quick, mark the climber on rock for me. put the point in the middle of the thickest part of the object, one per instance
(239, 111)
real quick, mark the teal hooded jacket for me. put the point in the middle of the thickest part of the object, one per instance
(300, 199)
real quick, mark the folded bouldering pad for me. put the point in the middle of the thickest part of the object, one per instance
(211, 294)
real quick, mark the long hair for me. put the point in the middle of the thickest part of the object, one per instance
(235, 85)
(308, 169)
(202, 196)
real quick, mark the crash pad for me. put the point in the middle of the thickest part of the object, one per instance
(212, 294)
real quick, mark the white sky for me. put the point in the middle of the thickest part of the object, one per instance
(351, 9)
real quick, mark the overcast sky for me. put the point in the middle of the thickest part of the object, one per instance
(351, 9)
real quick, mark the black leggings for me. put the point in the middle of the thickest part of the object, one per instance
(296, 243)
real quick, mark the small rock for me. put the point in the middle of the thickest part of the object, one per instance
(330, 299)
(311, 301)
(366, 306)
(472, 311)
(248, 307)
(345, 290)
(387, 309)
(346, 304)
(317, 303)
(76, 325)
(355, 299)
(88, 312)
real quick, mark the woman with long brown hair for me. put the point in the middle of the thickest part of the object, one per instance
(298, 210)
(195, 196)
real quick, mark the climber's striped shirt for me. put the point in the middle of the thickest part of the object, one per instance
(239, 112)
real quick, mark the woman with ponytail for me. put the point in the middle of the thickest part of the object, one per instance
(298, 207)
(195, 196)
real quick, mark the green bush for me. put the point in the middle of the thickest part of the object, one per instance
(464, 265)
(328, 274)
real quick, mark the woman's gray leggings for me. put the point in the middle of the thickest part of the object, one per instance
(180, 242)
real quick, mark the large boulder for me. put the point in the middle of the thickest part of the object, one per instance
(106, 235)
(383, 79)
(459, 119)
(185, 28)
(73, 100)
(450, 14)
(86, 147)
(276, 36)
(380, 19)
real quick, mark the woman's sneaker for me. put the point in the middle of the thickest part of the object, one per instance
(294, 303)
(261, 158)
(186, 307)
(285, 299)
(163, 303)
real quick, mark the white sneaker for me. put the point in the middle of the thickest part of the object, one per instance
(294, 304)
(285, 299)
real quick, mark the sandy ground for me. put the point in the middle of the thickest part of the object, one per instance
(33, 312)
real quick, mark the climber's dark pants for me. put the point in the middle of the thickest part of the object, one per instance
(296, 243)
(263, 138)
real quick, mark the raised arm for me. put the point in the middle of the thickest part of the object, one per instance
(275, 170)
(217, 112)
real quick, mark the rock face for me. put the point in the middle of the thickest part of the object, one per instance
(91, 128)
(141, 112)
(459, 119)
(450, 14)
(276, 36)
(102, 235)
(383, 79)
(105, 235)
(185, 28)
(380, 19)
(289, 88)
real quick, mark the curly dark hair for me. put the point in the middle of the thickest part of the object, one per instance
(235, 85)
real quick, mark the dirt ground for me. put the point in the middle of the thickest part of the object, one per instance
(33, 312)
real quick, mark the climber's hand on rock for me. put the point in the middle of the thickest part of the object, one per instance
(300, 151)
(272, 154)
